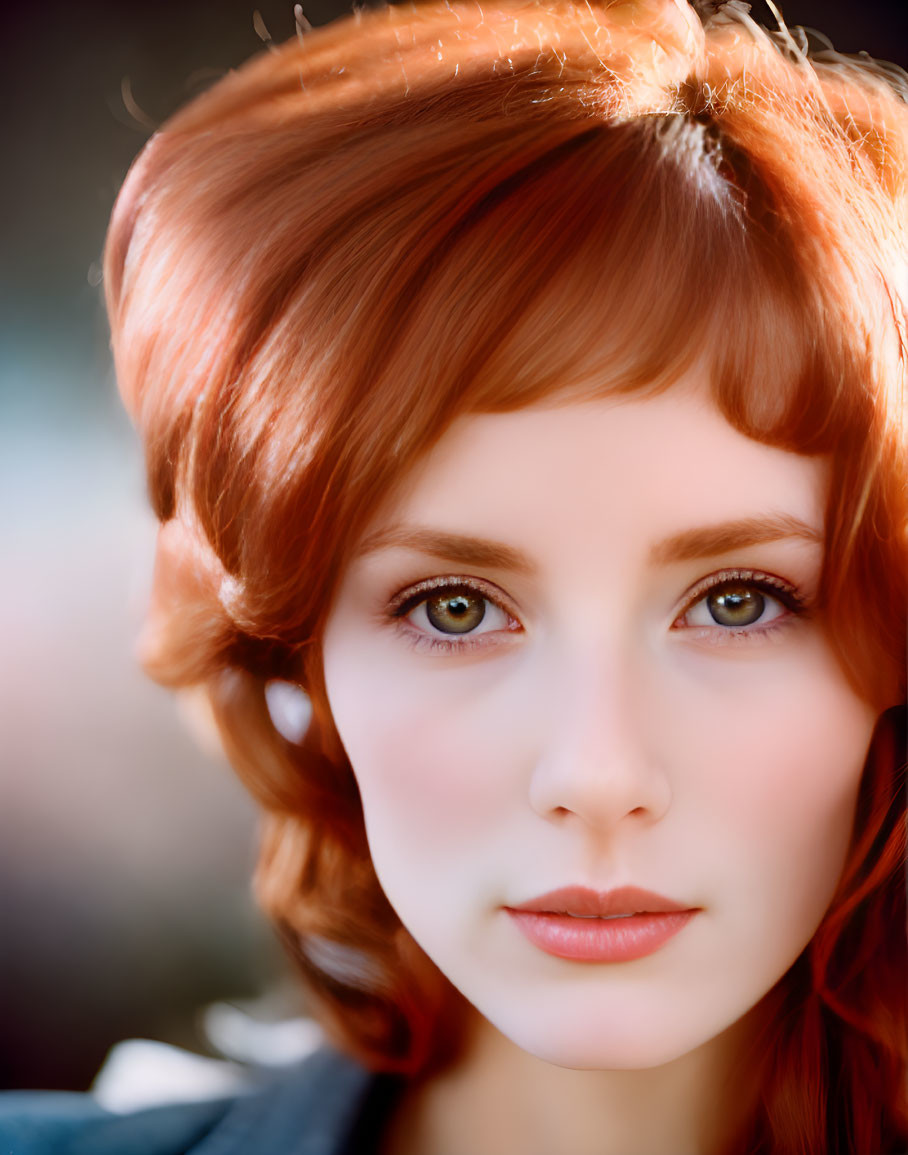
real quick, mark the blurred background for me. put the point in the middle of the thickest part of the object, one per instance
(125, 848)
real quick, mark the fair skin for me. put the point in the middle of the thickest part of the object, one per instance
(598, 717)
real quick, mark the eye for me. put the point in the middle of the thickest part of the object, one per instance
(741, 602)
(735, 605)
(442, 610)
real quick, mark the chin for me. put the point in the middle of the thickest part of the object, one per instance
(589, 1044)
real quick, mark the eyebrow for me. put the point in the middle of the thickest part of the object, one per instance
(710, 540)
(689, 545)
(455, 547)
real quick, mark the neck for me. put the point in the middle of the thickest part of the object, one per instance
(500, 1100)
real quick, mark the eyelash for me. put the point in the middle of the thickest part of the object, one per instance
(406, 602)
(781, 591)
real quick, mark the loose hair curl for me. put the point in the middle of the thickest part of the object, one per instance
(428, 211)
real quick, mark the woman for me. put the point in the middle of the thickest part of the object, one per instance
(522, 388)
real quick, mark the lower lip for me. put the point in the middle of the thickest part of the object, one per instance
(600, 939)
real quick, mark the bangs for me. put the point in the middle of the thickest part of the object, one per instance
(621, 259)
(566, 260)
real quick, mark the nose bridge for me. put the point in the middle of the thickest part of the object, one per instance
(596, 761)
(593, 692)
(598, 704)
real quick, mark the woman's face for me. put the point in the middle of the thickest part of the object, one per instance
(583, 651)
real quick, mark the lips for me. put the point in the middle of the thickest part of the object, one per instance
(610, 926)
(581, 902)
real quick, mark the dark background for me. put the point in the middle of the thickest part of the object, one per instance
(125, 848)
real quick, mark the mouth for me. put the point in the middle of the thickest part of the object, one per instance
(585, 925)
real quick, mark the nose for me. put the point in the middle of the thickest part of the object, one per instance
(598, 762)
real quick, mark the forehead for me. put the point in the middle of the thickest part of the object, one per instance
(635, 469)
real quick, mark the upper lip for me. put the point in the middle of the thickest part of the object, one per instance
(581, 900)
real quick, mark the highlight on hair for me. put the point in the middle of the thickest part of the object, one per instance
(426, 211)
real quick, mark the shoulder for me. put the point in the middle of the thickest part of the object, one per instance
(308, 1108)
(48, 1123)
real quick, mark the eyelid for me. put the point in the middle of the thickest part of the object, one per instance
(409, 599)
(401, 603)
(788, 594)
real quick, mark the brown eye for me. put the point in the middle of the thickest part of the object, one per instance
(735, 604)
(741, 604)
(453, 614)
(456, 613)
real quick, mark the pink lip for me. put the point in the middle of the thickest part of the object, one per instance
(573, 923)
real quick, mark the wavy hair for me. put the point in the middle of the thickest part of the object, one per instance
(434, 210)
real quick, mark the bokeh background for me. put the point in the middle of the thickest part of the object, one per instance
(126, 846)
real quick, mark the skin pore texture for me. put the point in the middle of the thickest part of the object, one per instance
(581, 709)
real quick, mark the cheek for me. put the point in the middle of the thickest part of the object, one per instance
(429, 753)
(777, 771)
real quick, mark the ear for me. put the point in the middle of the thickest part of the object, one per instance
(290, 709)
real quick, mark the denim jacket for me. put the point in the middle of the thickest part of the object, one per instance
(326, 1105)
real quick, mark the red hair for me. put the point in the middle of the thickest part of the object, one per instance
(419, 213)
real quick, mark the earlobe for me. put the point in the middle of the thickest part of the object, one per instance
(289, 708)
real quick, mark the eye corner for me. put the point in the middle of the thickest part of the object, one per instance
(420, 636)
(785, 594)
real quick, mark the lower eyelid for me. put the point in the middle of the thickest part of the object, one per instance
(719, 636)
(419, 639)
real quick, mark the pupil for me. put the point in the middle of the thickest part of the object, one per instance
(735, 605)
(457, 613)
